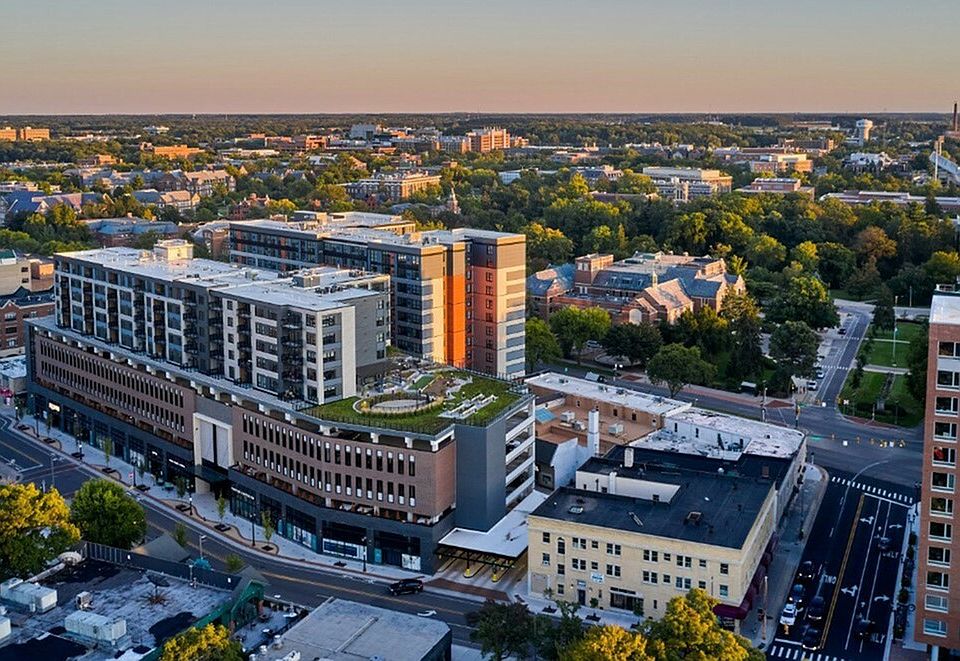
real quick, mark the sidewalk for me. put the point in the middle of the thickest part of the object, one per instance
(907, 649)
(204, 513)
(787, 557)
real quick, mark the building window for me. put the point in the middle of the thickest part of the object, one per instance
(724, 591)
(942, 481)
(939, 530)
(948, 380)
(650, 556)
(579, 543)
(938, 580)
(945, 430)
(703, 564)
(594, 565)
(561, 570)
(936, 602)
(724, 568)
(561, 546)
(613, 549)
(545, 560)
(546, 538)
(944, 456)
(649, 577)
(684, 561)
(938, 555)
(613, 570)
(947, 405)
(578, 564)
(934, 627)
(941, 505)
(682, 583)
(559, 588)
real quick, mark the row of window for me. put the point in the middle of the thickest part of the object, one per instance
(649, 555)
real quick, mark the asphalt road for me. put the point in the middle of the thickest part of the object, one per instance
(293, 581)
(856, 572)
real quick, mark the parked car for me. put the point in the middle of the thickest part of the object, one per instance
(810, 639)
(820, 373)
(789, 615)
(806, 573)
(407, 586)
(797, 594)
(811, 385)
(862, 628)
(842, 331)
(816, 609)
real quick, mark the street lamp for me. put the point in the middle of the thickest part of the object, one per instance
(202, 537)
(364, 540)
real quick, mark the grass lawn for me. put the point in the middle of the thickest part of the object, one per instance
(881, 352)
(901, 408)
(428, 421)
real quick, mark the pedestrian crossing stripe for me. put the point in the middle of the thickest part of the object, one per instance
(798, 654)
(877, 492)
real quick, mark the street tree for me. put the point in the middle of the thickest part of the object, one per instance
(105, 514)
(884, 315)
(209, 643)
(234, 563)
(221, 508)
(794, 346)
(542, 346)
(575, 326)
(743, 322)
(503, 630)
(836, 263)
(635, 343)
(266, 520)
(180, 534)
(608, 643)
(35, 527)
(804, 298)
(917, 364)
(554, 636)
(690, 630)
(678, 366)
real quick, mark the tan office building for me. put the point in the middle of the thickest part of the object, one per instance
(626, 538)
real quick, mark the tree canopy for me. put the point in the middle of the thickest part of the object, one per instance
(35, 527)
(678, 366)
(209, 643)
(106, 514)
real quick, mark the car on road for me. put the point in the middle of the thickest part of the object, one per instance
(806, 573)
(811, 385)
(797, 594)
(810, 639)
(884, 543)
(816, 609)
(842, 331)
(862, 628)
(789, 615)
(820, 373)
(406, 586)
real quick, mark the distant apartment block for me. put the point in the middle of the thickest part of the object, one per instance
(489, 139)
(699, 182)
(24, 134)
(647, 287)
(457, 296)
(392, 186)
(8, 133)
(199, 182)
(454, 144)
(296, 144)
(97, 160)
(181, 200)
(900, 199)
(173, 151)
(776, 186)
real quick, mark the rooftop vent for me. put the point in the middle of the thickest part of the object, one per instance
(694, 517)
(576, 509)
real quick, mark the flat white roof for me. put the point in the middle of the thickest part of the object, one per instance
(508, 536)
(760, 438)
(945, 309)
(632, 399)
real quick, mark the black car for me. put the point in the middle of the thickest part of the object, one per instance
(797, 594)
(842, 331)
(806, 573)
(407, 586)
(862, 628)
(810, 639)
(884, 543)
(816, 609)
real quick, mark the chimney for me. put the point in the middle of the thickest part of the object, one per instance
(593, 432)
(628, 458)
(612, 482)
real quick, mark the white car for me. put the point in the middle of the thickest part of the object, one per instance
(789, 615)
(811, 385)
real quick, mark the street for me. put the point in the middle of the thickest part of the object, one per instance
(854, 548)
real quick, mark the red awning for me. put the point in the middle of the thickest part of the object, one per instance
(732, 612)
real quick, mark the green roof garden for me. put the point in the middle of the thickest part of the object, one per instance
(420, 404)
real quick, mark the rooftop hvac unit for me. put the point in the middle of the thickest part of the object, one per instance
(578, 425)
(616, 429)
(568, 417)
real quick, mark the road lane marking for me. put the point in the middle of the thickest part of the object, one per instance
(863, 570)
(843, 567)
(34, 463)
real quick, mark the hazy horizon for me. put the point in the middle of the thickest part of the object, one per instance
(431, 57)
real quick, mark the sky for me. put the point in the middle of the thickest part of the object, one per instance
(373, 56)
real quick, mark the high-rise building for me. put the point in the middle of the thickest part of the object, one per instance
(310, 337)
(489, 139)
(938, 598)
(862, 132)
(186, 367)
(457, 296)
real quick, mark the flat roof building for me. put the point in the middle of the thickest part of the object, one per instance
(457, 296)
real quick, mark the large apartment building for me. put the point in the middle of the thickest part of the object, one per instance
(696, 182)
(457, 296)
(184, 367)
(938, 599)
(310, 337)
(488, 139)
(392, 186)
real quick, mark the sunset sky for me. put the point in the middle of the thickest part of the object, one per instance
(112, 56)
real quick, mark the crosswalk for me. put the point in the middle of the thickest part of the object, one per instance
(789, 652)
(877, 492)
